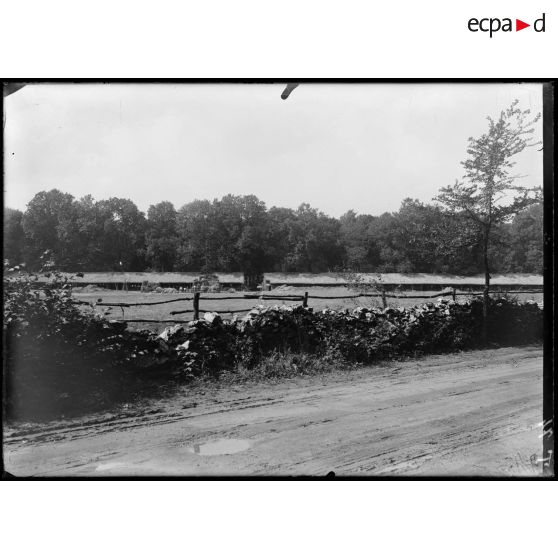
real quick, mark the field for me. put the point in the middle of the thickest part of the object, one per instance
(207, 302)
(471, 413)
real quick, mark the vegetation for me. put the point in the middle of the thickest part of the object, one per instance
(490, 195)
(486, 218)
(487, 223)
(237, 233)
(57, 357)
(60, 360)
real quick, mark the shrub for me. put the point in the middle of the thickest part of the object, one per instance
(57, 356)
(283, 328)
(511, 323)
(203, 347)
(361, 335)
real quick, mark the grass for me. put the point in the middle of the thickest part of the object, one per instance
(280, 365)
(162, 311)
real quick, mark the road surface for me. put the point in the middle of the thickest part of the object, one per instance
(473, 413)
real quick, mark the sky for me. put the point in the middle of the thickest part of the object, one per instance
(338, 147)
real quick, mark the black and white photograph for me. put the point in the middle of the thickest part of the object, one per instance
(267, 279)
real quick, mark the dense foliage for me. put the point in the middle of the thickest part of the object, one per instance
(362, 335)
(238, 233)
(56, 354)
(61, 358)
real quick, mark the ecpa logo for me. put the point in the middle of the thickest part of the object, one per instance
(494, 24)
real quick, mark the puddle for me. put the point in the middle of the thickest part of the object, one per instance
(110, 466)
(219, 447)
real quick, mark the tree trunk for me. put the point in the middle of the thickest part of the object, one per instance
(252, 279)
(486, 293)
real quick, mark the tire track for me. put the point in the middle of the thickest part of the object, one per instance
(472, 413)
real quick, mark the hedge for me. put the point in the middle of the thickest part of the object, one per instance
(56, 355)
(361, 335)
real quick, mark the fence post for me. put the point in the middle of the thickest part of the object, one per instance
(384, 300)
(197, 306)
(305, 300)
(453, 293)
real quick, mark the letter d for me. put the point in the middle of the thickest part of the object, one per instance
(535, 25)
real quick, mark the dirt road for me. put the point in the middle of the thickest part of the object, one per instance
(473, 413)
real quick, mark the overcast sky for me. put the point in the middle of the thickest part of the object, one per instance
(336, 146)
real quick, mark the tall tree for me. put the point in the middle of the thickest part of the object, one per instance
(360, 247)
(490, 195)
(283, 230)
(13, 236)
(237, 233)
(418, 234)
(49, 224)
(122, 236)
(385, 230)
(198, 240)
(459, 249)
(432, 240)
(90, 224)
(318, 245)
(161, 239)
(525, 237)
(243, 230)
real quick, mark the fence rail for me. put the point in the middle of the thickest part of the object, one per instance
(196, 310)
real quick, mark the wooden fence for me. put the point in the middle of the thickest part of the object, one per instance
(303, 299)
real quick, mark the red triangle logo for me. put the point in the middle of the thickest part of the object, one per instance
(519, 25)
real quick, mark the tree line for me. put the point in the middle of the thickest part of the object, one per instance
(238, 233)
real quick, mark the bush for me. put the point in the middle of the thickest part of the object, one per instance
(202, 347)
(513, 323)
(57, 356)
(283, 328)
(362, 335)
